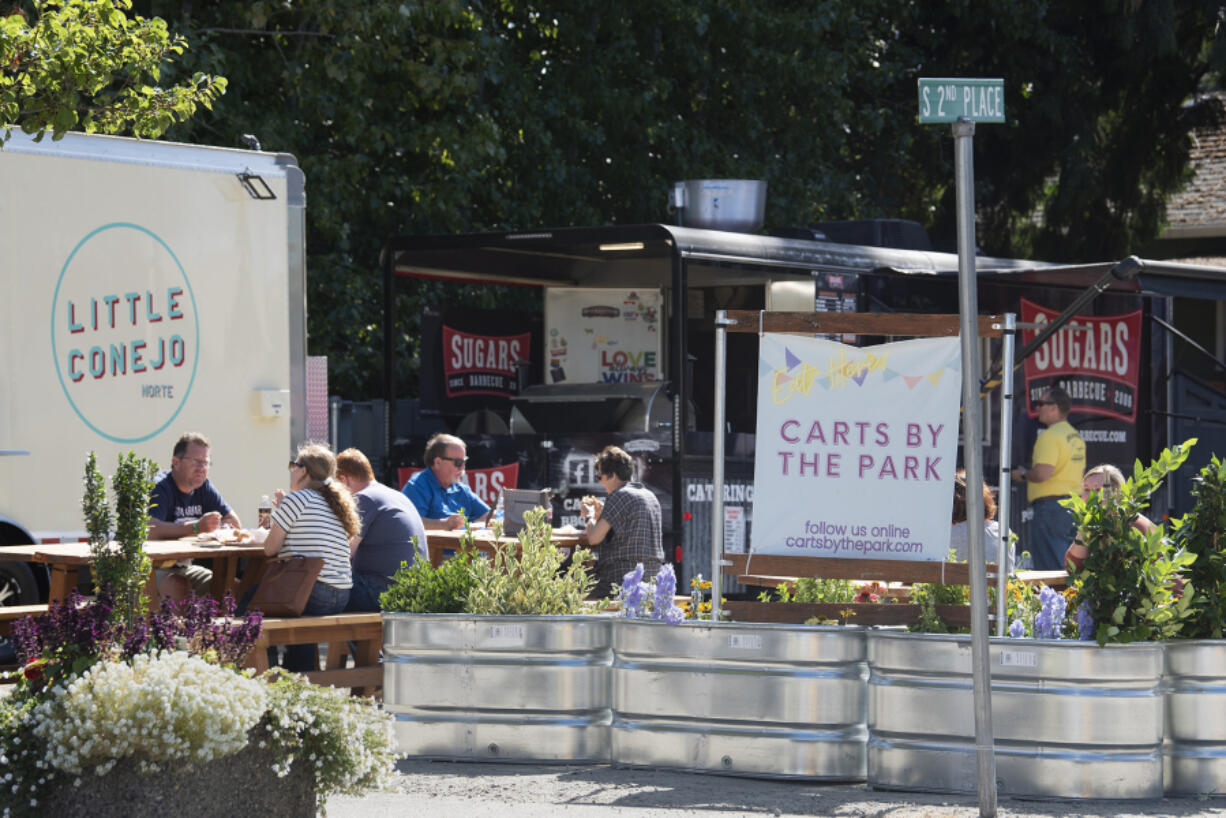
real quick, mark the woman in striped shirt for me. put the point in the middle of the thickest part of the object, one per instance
(317, 518)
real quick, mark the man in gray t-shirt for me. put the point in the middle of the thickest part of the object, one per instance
(392, 531)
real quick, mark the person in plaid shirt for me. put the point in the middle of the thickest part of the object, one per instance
(626, 528)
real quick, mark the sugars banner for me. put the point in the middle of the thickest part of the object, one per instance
(856, 448)
(1097, 361)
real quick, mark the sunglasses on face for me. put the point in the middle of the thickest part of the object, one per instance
(458, 462)
(294, 463)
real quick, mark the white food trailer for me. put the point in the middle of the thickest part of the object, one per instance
(148, 289)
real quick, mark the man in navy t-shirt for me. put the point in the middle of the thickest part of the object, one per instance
(392, 532)
(185, 504)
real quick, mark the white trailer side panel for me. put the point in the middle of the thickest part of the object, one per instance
(145, 293)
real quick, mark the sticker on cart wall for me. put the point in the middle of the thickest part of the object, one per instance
(745, 641)
(1019, 658)
(504, 636)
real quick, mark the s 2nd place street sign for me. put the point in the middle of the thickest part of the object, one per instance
(948, 100)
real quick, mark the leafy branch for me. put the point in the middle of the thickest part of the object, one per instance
(1129, 578)
(85, 64)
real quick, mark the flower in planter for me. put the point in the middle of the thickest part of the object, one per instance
(872, 592)
(1048, 622)
(1085, 622)
(1039, 614)
(650, 600)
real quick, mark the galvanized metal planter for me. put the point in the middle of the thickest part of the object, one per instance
(499, 688)
(741, 699)
(1070, 719)
(1194, 754)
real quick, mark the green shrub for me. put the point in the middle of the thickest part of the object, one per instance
(813, 589)
(1202, 532)
(1127, 584)
(532, 582)
(422, 588)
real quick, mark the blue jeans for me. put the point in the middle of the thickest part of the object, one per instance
(1051, 533)
(324, 599)
(364, 596)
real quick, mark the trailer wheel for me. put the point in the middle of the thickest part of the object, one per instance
(17, 584)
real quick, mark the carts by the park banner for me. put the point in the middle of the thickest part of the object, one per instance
(856, 448)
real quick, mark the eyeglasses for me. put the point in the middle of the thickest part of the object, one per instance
(458, 462)
(196, 461)
(1045, 403)
(294, 463)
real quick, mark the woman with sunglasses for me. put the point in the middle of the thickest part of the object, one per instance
(1107, 480)
(317, 518)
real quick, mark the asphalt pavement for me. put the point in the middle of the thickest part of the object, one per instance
(426, 789)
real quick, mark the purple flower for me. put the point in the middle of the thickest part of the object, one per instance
(1017, 630)
(1085, 622)
(633, 593)
(666, 586)
(1047, 623)
(674, 615)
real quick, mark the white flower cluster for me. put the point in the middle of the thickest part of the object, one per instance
(350, 742)
(161, 707)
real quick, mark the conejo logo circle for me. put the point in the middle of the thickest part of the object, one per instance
(125, 332)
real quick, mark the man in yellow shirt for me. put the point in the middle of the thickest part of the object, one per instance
(1057, 466)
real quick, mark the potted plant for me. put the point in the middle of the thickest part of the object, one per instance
(757, 699)
(113, 707)
(1077, 704)
(1195, 750)
(498, 659)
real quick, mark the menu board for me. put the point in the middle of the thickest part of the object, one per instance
(603, 335)
(837, 292)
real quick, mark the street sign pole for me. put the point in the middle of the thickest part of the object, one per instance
(963, 102)
(972, 460)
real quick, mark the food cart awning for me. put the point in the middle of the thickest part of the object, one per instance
(642, 255)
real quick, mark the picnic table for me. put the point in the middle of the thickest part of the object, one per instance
(65, 560)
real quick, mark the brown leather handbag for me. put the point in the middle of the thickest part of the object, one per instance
(286, 585)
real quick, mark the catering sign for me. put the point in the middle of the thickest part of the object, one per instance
(856, 448)
(1096, 360)
(603, 335)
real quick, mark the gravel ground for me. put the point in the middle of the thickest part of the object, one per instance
(452, 790)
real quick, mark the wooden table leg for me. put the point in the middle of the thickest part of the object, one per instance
(151, 591)
(63, 582)
(224, 570)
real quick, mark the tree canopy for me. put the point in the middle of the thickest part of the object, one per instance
(445, 116)
(86, 65)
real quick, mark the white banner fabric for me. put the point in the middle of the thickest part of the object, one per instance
(856, 448)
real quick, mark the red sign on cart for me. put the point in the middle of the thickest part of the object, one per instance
(1096, 360)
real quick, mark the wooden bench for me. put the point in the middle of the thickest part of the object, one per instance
(364, 630)
(9, 613)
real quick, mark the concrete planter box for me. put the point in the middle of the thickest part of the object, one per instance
(1070, 719)
(499, 688)
(240, 784)
(742, 699)
(1194, 754)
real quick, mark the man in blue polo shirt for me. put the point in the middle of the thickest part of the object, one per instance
(439, 491)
